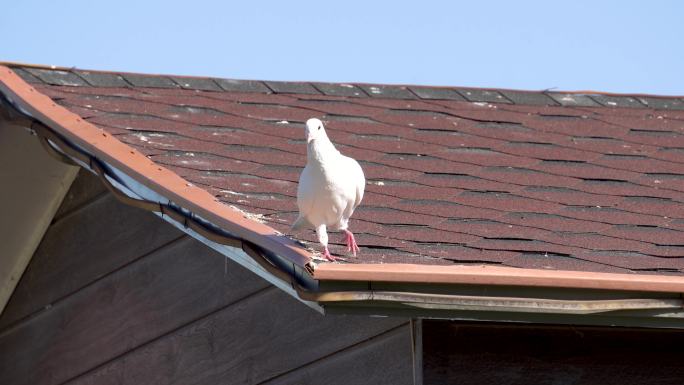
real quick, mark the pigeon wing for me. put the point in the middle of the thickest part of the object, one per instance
(359, 180)
(355, 183)
(306, 195)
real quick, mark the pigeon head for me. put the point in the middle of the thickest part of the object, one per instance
(314, 130)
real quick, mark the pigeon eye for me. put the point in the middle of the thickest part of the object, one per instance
(319, 127)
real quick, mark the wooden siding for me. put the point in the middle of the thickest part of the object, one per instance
(512, 354)
(114, 295)
(81, 246)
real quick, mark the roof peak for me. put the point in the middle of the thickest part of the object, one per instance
(72, 76)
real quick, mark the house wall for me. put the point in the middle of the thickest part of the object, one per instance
(512, 354)
(114, 295)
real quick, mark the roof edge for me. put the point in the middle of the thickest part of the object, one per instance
(498, 275)
(160, 179)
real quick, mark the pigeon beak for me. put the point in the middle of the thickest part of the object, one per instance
(309, 138)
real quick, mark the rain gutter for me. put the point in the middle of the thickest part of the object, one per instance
(498, 275)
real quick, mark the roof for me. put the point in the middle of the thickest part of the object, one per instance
(561, 181)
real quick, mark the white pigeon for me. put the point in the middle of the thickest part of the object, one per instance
(330, 188)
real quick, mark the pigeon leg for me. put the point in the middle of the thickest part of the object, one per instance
(326, 254)
(351, 242)
(323, 239)
(346, 240)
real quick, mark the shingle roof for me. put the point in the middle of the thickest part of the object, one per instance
(566, 181)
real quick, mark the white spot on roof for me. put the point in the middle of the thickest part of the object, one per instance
(234, 193)
(375, 90)
(283, 122)
(255, 217)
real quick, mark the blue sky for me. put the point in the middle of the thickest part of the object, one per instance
(613, 46)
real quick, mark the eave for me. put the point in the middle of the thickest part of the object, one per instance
(489, 293)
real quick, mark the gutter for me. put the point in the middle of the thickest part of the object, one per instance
(499, 276)
(287, 266)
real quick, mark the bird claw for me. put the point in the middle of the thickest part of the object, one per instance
(326, 254)
(351, 242)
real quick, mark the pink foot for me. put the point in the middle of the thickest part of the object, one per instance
(326, 254)
(351, 242)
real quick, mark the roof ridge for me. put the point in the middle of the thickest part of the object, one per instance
(73, 76)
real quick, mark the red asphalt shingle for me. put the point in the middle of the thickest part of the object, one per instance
(449, 181)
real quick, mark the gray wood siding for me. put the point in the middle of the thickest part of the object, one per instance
(83, 244)
(115, 295)
(382, 359)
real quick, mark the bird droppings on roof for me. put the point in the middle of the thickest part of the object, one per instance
(552, 180)
(255, 217)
